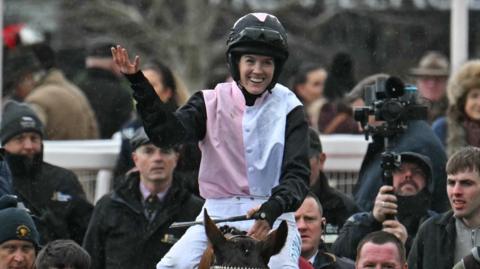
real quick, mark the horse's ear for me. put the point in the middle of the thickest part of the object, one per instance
(214, 235)
(275, 241)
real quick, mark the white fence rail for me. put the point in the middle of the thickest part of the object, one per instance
(93, 161)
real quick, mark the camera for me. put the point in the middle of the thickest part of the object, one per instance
(393, 103)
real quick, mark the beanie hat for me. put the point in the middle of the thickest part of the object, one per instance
(17, 224)
(18, 118)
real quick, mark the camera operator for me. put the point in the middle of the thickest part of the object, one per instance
(412, 185)
(416, 136)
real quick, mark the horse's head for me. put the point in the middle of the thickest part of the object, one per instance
(240, 251)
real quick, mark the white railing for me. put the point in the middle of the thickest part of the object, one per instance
(93, 161)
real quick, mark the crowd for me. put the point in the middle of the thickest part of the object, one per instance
(250, 146)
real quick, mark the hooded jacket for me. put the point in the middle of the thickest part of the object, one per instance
(417, 138)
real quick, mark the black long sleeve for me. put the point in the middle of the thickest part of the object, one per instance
(290, 193)
(163, 126)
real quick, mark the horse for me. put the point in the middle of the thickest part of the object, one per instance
(240, 251)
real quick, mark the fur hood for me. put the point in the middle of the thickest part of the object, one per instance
(466, 78)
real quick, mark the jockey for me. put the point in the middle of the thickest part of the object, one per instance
(253, 135)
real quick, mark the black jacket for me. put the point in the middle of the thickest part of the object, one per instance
(55, 196)
(337, 207)
(435, 243)
(361, 224)
(326, 260)
(120, 236)
(109, 97)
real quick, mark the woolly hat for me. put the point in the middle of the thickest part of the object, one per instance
(18, 118)
(466, 78)
(432, 64)
(16, 223)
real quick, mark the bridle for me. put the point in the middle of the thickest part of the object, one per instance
(236, 267)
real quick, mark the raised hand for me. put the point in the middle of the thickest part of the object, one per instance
(120, 57)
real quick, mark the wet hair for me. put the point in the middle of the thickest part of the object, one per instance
(381, 238)
(466, 159)
(63, 254)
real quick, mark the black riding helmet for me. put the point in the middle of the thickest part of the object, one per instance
(257, 33)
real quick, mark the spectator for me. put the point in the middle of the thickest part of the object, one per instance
(335, 116)
(461, 126)
(22, 71)
(431, 78)
(252, 133)
(445, 239)
(62, 254)
(171, 91)
(341, 77)
(380, 250)
(471, 261)
(408, 199)
(337, 207)
(52, 193)
(139, 212)
(19, 237)
(61, 106)
(311, 225)
(308, 83)
(418, 138)
(107, 93)
(5, 176)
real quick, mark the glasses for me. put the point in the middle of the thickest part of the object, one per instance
(263, 34)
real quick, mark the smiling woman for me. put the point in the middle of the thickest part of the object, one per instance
(252, 133)
(461, 127)
(256, 72)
